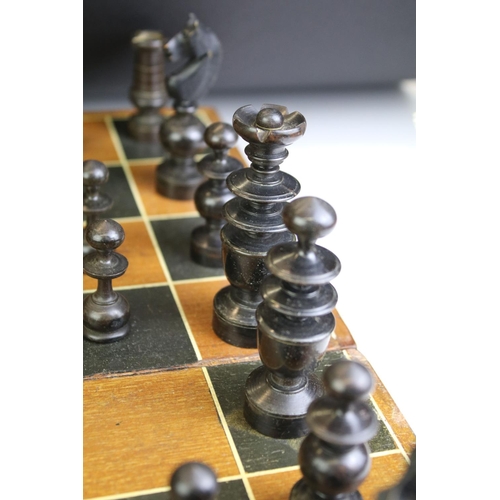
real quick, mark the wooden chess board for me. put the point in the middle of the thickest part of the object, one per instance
(172, 391)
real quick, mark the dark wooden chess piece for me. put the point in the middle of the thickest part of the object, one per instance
(95, 203)
(182, 134)
(406, 489)
(105, 312)
(295, 322)
(194, 481)
(254, 221)
(211, 196)
(334, 457)
(148, 92)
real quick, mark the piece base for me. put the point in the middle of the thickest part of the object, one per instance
(279, 414)
(145, 128)
(203, 250)
(106, 337)
(240, 333)
(177, 182)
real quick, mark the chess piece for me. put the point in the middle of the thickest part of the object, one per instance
(211, 196)
(105, 312)
(294, 323)
(182, 134)
(254, 221)
(148, 92)
(406, 489)
(95, 203)
(335, 457)
(194, 481)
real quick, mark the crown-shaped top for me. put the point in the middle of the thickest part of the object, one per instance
(272, 124)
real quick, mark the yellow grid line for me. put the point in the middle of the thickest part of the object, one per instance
(121, 154)
(135, 191)
(384, 420)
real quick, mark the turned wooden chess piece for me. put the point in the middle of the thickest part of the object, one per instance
(194, 481)
(148, 92)
(335, 457)
(211, 196)
(105, 312)
(95, 203)
(294, 323)
(254, 221)
(182, 134)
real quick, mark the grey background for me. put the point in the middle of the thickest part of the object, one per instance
(268, 44)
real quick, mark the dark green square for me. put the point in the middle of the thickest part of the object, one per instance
(157, 337)
(174, 239)
(118, 189)
(135, 150)
(259, 452)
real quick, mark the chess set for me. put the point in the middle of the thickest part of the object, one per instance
(218, 366)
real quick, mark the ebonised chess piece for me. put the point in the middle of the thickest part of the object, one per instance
(199, 50)
(95, 203)
(294, 323)
(254, 221)
(211, 196)
(148, 91)
(335, 457)
(406, 489)
(105, 312)
(194, 481)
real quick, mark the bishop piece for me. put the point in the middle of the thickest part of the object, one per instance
(294, 323)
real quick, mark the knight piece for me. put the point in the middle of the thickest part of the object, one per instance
(295, 322)
(335, 457)
(182, 134)
(148, 90)
(254, 220)
(105, 312)
(95, 203)
(211, 196)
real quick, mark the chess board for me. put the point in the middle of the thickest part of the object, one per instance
(172, 391)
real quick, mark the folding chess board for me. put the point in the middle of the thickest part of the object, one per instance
(172, 391)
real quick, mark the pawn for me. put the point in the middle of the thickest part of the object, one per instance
(95, 203)
(194, 481)
(211, 196)
(105, 312)
(334, 457)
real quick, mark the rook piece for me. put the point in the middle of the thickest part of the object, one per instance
(105, 312)
(148, 90)
(95, 203)
(194, 481)
(254, 221)
(334, 457)
(210, 197)
(294, 323)
(182, 134)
